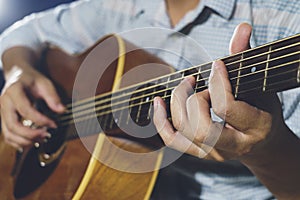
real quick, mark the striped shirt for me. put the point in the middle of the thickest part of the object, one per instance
(77, 26)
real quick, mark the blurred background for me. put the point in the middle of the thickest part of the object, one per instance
(14, 10)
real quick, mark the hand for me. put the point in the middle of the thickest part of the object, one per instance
(246, 130)
(23, 85)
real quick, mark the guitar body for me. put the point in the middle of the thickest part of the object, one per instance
(75, 173)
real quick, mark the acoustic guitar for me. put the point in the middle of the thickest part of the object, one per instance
(79, 163)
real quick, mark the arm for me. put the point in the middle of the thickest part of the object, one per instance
(258, 138)
(19, 50)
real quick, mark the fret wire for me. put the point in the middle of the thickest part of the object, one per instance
(140, 90)
(264, 62)
(202, 65)
(135, 98)
(260, 87)
(250, 50)
(93, 98)
(89, 117)
(266, 71)
(261, 71)
(262, 54)
(245, 67)
(107, 112)
(270, 76)
(139, 109)
(238, 79)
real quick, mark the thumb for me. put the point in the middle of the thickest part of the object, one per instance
(240, 39)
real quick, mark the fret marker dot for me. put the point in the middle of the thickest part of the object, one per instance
(253, 69)
(147, 99)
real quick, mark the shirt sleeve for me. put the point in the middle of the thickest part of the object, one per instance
(69, 26)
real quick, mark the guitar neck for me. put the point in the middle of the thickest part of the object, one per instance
(272, 67)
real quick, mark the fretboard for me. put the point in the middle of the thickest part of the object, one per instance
(272, 67)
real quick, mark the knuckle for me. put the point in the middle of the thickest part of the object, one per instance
(178, 124)
(242, 150)
(267, 122)
(24, 111)
(7, 139)
(26, 143)
(199, 137)
(169, 143)
(45, 82)
(168, 140)
(222, 110)
(10, 128)
(192, 98)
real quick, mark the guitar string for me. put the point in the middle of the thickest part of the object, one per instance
(242, 92)
(88, 111)
(81, 119)
(133, 105)
(149, 94)
(164, 90)
(104, 112)
(95, 98)
(136, 98)
(84, 106)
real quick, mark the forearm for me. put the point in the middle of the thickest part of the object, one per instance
(278, 166)
(16, 61)
(20, 56)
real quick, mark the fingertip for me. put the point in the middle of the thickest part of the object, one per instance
(60, 107)
(56, 106)
(240, 39)
(190, 79)
(217, 66)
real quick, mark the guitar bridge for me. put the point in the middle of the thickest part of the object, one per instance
(46, 159)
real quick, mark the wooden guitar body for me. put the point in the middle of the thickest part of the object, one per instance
(75, 173)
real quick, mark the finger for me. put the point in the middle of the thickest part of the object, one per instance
(46, 91)
(240, 39)
(234, 142)
(15, 140)
(178, 104)
(25, 108)
(215, 155)
(238, 114)
(173, 139)
(198, 109)
(159, 115)
(12, 124)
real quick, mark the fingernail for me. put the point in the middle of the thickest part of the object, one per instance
(190, 79)
(218, 63)
(53, 125)
(20, 150)
(60, 107)
(48, 135)
(215, 66)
